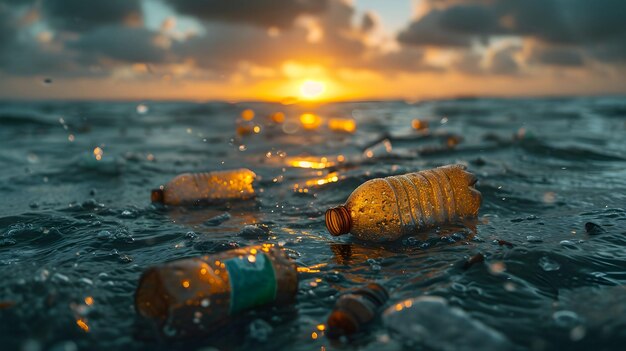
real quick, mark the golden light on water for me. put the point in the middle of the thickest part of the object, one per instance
(98, 152)
(344, 125)
(83, 325)
(309, 162)
(247, 114)
(330, 178)
(312, 89)
(278, 117)
(310, 121)
(89, 300)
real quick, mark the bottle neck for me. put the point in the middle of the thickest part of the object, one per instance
(338, 220)
(157, 195)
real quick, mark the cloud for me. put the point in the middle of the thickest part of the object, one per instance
(503, 61)
(429, 31)
(120, 43)
(80, 15)
(556, 56)
(265, 13)
(368, 22)
(259, 37)
(597, 26)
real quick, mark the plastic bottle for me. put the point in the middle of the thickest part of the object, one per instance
(356, 309)
(196, 295)
(209, 187)
(384, 209)
(430, 323)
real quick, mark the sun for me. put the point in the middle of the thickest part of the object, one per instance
(312, 89)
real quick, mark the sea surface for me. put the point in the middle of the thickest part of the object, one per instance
(77, 227)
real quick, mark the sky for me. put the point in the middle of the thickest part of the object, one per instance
(310, 49)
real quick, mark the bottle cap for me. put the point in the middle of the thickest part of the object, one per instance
(157, 195)
(341, 323)
(338, 220)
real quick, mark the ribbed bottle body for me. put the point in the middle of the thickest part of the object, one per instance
(197, 295)
(209, 187)
(385, 209)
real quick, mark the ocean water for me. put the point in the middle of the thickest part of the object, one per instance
(77, 227)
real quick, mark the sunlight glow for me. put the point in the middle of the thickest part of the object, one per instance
(312, 89)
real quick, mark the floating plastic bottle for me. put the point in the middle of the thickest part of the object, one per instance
(197, 295)
(355, 309)
(384, 209)
(209, 187)
(429, 322)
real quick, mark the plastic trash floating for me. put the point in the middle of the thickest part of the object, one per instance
(355, 309)
(206, 188)
(384, 209)
(196, 295)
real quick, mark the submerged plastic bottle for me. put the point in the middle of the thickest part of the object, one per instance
(208, 187)
(196, 295)
(356, 309)
(384, 209)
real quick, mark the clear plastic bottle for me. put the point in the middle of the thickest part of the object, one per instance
(196, 295)
(430, 323)
(208, 187)
(355, 309)
(384, 209)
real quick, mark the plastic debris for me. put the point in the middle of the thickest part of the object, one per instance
(197, 295)
(210, 187)
(355, 309)
(429, 322)
(384, 209)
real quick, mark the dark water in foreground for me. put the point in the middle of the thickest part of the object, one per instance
(74, 230)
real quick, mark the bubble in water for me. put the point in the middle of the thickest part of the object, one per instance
(243, 148)
(566, 319)
(497, 267)
(60, 277)
(548, 265)
(577, 333)
(32, 158)
(205, 303)
(42, 275)
(142, 109)
(510, 287)
(127, 214)
(549, 197)
(86, 281)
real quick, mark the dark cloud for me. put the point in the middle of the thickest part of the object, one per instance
(368, 22)
(598, 26)
(428, 31)
(266, 13)
(120, 43)
(556, 56)
(82, 15)
(8, 29)
(469, 19)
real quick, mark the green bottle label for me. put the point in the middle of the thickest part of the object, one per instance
(252, 281)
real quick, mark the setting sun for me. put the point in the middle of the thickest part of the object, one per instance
(312, 89)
